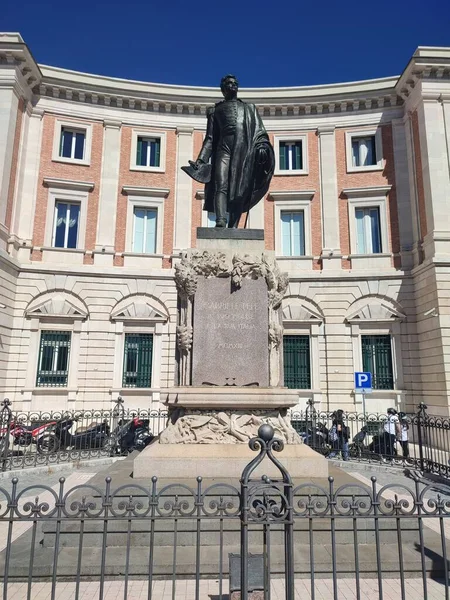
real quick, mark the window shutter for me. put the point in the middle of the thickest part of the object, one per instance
(79, 145)
(139, 152)
(138, 237)
(282, 153)
(375, 230)
(286, 249)
(355, 153)
(298, 234)
(150, 242)
(360, 232)
(298, 159)
(156, 144)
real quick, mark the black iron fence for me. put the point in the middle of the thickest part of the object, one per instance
(26, 437)
(34, 438)
(419, 440)
(223, 541)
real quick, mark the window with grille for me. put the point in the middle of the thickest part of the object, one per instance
(72, 143)
(66, 224)
(297, 362)
(148, 152)
(291, 156)
(53, 364)
(377, 359)
(368, 231)
(144, 230)
(137, 364)
(292, 233)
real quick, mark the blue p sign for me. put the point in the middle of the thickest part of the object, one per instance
(363, 381)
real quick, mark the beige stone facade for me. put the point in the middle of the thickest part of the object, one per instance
(375, 163)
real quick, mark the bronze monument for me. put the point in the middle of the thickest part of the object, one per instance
(241, 155)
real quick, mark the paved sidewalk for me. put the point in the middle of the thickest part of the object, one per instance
(209, 590)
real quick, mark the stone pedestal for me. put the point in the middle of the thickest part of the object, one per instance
(230, 367)
(224, 461)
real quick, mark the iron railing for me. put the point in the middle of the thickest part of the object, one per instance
(427, 440)
(428, 445)
(178, 541)
(24, 434)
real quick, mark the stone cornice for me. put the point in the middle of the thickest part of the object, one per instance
(427, 63)
(292, 194)
(133, 190)
(14, 54)
(367, 192)
(68, 184)
(189, 100)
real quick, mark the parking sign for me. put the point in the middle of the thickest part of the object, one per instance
(363, 381)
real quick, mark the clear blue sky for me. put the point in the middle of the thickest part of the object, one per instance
(264, 42)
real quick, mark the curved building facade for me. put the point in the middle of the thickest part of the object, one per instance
(94, 212)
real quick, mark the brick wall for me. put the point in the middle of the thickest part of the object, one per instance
(146, 179)
(50, 168)
(197, 204)
(367, 179)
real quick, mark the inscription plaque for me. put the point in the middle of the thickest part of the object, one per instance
(230, 344)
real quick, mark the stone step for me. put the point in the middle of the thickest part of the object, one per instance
(210, 532)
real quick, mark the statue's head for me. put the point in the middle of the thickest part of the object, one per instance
(229, 86)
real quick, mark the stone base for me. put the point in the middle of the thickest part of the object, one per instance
(220, 398)
(222, 461)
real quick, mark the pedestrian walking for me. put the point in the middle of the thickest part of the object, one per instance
(392, 432)
(338, 435)
(404, 434)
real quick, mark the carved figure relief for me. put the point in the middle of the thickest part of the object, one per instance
(225, 427)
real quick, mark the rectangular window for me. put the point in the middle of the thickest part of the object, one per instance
(53, 364)
(66, 225)
(292, 233)
(148, 152)
(144, 230)
(363, 151)
(297, 362)
(291, 156)
(368, 231)
(137, 364)
(72, 144)
(377, 359)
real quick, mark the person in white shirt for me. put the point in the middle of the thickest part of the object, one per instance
(392, 432)
(404, 433)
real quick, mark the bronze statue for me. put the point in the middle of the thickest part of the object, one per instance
(242, 158)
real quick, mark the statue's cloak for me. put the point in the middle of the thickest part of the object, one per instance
(248, 180)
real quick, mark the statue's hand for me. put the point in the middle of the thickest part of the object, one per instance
(261, 155)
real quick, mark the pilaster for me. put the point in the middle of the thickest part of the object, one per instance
(9, 102)
(331, 252)
(109, 184)
(25, 199)
(436, 178)
(183, 190)
(406, 210)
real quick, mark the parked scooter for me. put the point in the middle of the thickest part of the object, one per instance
(316, 436)
(129, 436)
(357, 448)
(61, 438)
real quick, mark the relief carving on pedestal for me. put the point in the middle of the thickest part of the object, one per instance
(225, 427)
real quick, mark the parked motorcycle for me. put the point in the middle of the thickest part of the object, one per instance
(357, 447)
(316, 436)
(62, 438)
(130, 435)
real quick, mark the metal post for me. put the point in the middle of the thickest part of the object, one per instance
(421, 419)
(5, 427)
(363, 393)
